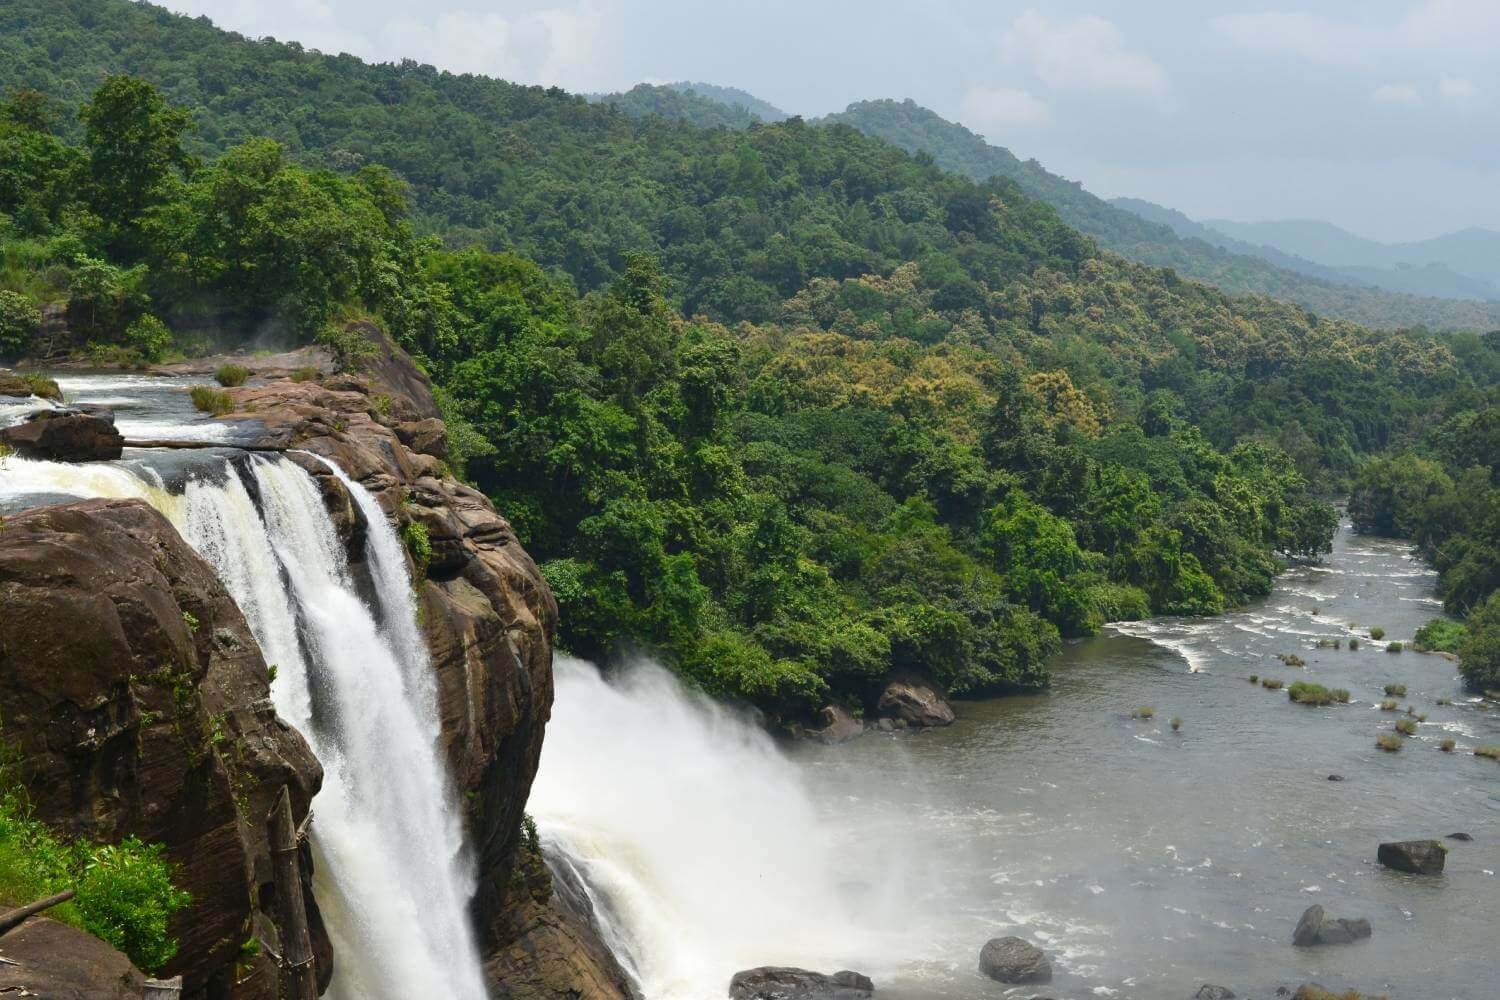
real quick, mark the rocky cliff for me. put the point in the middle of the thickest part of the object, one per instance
(137, 702)
(489, 619)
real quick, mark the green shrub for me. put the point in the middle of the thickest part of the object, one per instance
(1377, 634)
(1447, 745)
(1389, 741)
(1254, 678)
(1353, 642)
(1406, 727)
(124, 892)
(1395, 690)
(1394, 647)
(150, 337)
(1479, 656)
(1271, 683)
(350, 348)
(19, 321)
(1304, 693)
(307, 374)
(1144, 712)
(1388, 705)
(211, 400)
(43, 386)
(231, 376)
(1440, 636)
(414, 534)
(1176, 723)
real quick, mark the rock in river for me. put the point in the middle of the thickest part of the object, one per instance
(66, 436)
(1012, 960)
(1317, 927)
(1208, 991)
(838, 725)
(771, 982)
(916, 702)
(1420, 857)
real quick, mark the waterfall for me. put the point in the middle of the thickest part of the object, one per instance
(701, 845)
(392, 877)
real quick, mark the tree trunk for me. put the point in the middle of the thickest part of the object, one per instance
(299, 974)
(10, 921)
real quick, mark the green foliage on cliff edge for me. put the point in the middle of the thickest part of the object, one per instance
(124, 892)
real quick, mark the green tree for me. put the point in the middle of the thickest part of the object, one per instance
(134, 145)
(1479, 656)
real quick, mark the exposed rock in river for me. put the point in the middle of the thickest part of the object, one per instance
(138, 703)
(772, 982)
(915, 701)
(836, 725)
(1420, 857)
(1208, 991)
(1013, 960)
(69, 435)
(1317, 928)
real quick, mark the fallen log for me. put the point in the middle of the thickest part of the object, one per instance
(10, 921)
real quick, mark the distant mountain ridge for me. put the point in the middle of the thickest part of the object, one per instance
(1140, 231)
(735, 97)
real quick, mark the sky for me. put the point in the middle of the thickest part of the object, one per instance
(1377, 115)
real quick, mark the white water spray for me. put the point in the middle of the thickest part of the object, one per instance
(704, 848)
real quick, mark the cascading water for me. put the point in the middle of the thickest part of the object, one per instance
(393, 879)
(699, 841)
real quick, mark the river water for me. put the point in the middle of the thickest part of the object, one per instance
(1145, 861)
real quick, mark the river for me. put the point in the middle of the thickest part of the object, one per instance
(1147, 862)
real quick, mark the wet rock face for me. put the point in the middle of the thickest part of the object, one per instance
(1013, 960)
(66, 436)
(43, 958)
(836, 724)
(1419, 857)
(783, 983)
(139, 704)
(1317, 928)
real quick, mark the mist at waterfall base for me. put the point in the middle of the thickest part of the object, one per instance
(1145, 861)
(392, 879)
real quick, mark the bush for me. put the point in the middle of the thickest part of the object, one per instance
(418, 546)
(1271, 683)
(150, 337)
(124, 892)
(1440, 636)
(308, 374)
(1144, 712)
(1389, 742)
(19, 321)
(1479, 656)
(1489, 750)
(1377, 634)
(1394, 647)
(211, 400)
(1353, 642)
(1406, 727)
(1304, 693)
(1447, 745)
(350, 348)
(1176, 723)
(230, 376)
(1254, 678)
(43, 386)
(1389, 705)
(1395, 690)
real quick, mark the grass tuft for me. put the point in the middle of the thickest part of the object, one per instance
(1271, 683)
(1395, 690)
(1389, 742)
(1447, 745)
(210, 400)
(1406, 727)
(230, 376)
(1389, 705)
(1144, 712)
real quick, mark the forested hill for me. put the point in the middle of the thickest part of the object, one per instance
(823, 411)
(912, 127)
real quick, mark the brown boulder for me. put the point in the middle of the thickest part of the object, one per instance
(836, 724)
(429, 437)
(14, 385)
(65, 436)
(774, 982)
(138, 703)
(1014, 960)
(915, 701)
(1419, 857)
(1316, 927)
(43, 958)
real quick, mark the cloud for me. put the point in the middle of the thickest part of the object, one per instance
(1398, 94)
(1457, 90)
(1432, 25)
(1083, 53)
(1311, 36)
(552, 47)
(994, 110)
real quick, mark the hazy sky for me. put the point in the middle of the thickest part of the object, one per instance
(1378, 115)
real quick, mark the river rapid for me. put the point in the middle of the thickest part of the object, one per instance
(1147, 862)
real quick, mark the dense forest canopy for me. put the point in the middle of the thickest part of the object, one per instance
(786, 404)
